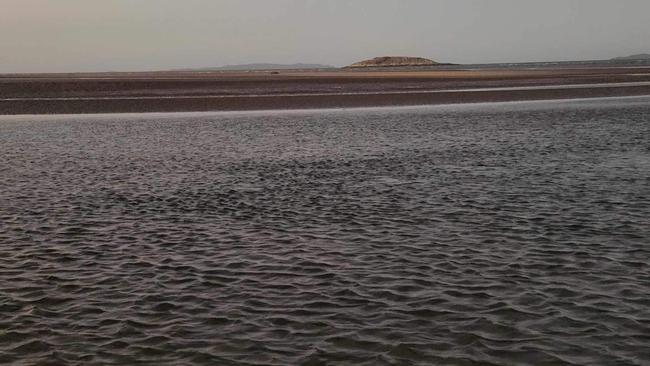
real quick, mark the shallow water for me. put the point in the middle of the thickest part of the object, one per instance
(505, 234)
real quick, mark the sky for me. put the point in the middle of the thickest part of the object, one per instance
(134, 35)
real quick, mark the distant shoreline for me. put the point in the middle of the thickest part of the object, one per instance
(241, 91)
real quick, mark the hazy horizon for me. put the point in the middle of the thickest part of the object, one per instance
(122, 35)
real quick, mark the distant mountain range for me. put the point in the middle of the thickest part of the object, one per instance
(389, 62)
(265, 66)
(642, 56)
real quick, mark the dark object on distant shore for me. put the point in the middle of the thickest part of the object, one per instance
(394, 61)
(265, 67)
(639, 57)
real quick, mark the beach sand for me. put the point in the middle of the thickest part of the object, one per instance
(228, 91)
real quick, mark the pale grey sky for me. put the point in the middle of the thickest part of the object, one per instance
(99, 35)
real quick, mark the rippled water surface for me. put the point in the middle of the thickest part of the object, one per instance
(506, 234)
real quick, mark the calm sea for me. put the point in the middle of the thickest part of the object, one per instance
(492, 234)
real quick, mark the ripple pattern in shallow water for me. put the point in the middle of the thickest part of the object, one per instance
(452, 236)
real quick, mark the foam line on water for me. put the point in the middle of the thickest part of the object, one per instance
(266, 112)
(361, 93)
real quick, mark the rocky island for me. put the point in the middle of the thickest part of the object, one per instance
(393, 61)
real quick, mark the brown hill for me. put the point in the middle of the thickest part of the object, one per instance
(394, 61)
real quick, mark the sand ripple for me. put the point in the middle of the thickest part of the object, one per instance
(452, 236)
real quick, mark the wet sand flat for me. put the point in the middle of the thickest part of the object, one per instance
(216, 91)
